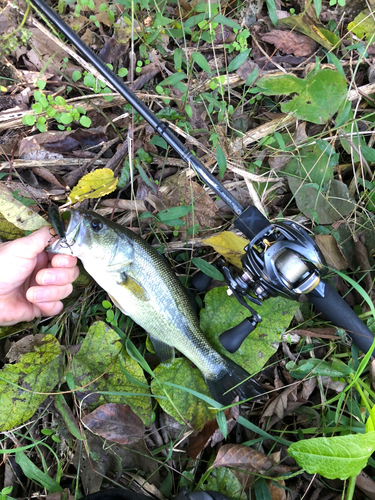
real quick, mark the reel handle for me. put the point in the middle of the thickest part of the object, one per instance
(232, 339)
(333, 306)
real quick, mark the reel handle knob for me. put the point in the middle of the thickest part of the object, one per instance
(201, 281)
(232, 339)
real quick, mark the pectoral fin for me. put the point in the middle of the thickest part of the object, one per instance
(134, 287)
(163, 351)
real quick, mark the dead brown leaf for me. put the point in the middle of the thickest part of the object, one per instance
(23, 346)
(245, 70)
(243, 457)
(178, 189)
(290, 42)
(115, 422)
(331, 252)
(211, 434)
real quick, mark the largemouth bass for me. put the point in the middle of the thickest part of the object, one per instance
(144, 287)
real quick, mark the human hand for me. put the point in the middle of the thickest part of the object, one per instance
(33, 282)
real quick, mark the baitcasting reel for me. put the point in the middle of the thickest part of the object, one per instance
(281, 259)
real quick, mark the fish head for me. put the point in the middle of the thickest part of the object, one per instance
(88, 236)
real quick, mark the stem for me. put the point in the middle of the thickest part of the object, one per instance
(367, 388)
(351, 486)
(366, 402)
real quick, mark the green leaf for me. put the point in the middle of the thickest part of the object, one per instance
(222, 312)
(32, 472)
(28, 202)
(220, 19)
(222, 423)
(363, 25)
(368, 153)
(221, 161)
(189, 110)
(182, 405)
(338, 457)
(36, 372)
(207, 268)
(318, 7)
(320, 94)
(201, 61)
(224, 481)
(29, 120)
(41, 84)
(15, 212)
(272, 11)
(311, 165)
(102, 352)
(70, 421)
(330, 204)
(238, 60)
(318, 367)
(85, 121)
(174, 213)
(122, 72)
(76, 75)
(173, 79)
(261, 490)
(89, 80)
(65, 118)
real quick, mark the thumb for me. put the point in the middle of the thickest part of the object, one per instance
(29, 246)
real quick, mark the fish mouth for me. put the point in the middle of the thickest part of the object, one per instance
(72, 230)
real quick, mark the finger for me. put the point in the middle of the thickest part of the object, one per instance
(51, 308)
(57, 276)
(29, 246)
(42, 294)
(63, 260)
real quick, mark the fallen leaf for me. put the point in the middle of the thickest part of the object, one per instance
(290, 42)
(363, 25)
(17, 213)
(23, 346)
(9, 231)
(304, 24)
(115, 422)
(222, 312)
(177, 190)
(245, 458)
(94, 185)
(182, 405)
(103, 365)
(229, 245)
(211, 434)
(26, 384)
(224, 480)
(331, 252)
(319, 95)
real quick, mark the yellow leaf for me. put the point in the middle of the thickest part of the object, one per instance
(230, 246)
(94, 185)
(17, 213)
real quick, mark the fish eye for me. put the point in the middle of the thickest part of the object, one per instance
(96, 225)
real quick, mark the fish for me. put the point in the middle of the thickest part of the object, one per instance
(143, 286)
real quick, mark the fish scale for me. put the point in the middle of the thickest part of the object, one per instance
(144, 287)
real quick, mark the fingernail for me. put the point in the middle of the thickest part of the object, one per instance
(39, 295)
(48, 278)
(63, 262)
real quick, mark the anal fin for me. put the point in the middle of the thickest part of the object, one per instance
(163, 351)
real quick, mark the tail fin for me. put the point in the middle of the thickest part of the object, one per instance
(223, 388)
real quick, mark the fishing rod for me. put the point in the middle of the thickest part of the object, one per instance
(280, 259)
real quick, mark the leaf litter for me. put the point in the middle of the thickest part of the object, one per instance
(249, 112)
